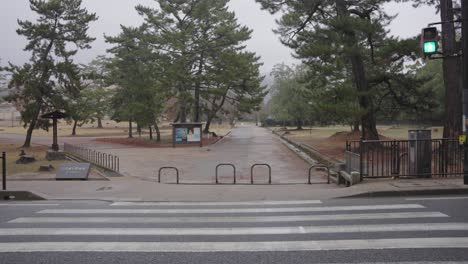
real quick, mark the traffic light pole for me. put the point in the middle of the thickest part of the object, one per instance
(464, 10)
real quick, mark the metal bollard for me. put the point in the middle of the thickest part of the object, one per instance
(260, 164)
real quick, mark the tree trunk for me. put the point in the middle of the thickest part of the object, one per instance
(99, 123)
(74, 128)
(355, 125)
(158, 133)
(451, 69)
(299, 124)
(196, 114)
(177, 117)
(130, 128)
(32, 125)
(139, 130)
(206, 130)
(27, 142)
(150, 133)
(183, 110)
(368, 119)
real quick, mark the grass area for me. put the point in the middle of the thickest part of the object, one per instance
(391, 132)
(39, 152)
(220, 129)
(166, 139)
(331, 140)
(111, 128)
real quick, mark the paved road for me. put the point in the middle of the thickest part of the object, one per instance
(332, 231)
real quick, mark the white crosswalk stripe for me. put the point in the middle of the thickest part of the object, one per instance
(436, 198)
(231, 210)
(27, 204)
(272, 226)
(228, 219)
(312, 245)
(254, 203)
(233, 230)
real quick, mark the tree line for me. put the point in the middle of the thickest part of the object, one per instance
(354, 72)
(189, 52)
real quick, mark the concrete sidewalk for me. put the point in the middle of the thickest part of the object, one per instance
(132, 189)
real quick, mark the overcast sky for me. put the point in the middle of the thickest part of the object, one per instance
(113, 13)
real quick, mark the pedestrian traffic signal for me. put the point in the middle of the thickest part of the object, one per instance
(429, 40)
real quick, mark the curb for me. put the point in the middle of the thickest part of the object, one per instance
(301, 154)
(20, 196)
(407, 193)
(310, 151)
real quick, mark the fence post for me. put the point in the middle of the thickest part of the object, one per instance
(4, 170)
(361, 163)
(118, 164)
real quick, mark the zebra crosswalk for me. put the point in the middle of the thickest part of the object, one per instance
(309, 226)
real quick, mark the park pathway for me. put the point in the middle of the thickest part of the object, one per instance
(245, 146)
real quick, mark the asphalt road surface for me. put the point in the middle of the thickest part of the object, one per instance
(377, 230)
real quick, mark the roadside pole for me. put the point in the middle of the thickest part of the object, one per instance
(464, 9)
(4, 170)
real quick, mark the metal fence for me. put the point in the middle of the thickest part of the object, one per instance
(102, 159)
(405, 158)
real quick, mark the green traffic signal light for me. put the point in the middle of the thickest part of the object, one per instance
(430, 47)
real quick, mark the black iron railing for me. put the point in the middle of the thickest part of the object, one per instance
(102, 159)
(3, 157)
(405, 158)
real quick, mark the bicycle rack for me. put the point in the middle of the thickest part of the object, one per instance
(260, 164)
(164, 168)
(319, 166)
(226, 164)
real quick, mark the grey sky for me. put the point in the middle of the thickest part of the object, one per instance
(112, 13)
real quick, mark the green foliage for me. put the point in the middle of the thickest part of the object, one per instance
(135, 69)
(290, 98)
(353, 62)
(3, 85)
(81, 108)
(202, 57)
(96, 75)
(51, 77)
(431, 75)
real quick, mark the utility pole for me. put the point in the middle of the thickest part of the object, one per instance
(464, 9)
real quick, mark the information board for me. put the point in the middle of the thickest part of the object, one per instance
(73, 171)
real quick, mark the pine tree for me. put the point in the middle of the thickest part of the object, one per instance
(136, 70)
(51, 76)
(195, 40)
(338, 36)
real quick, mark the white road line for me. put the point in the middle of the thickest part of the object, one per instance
(233, 230)
(214, 203)
(436, 198)
(407, 262)
(231, 210)
(26, 204)
(227, 219)
(358, 244)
